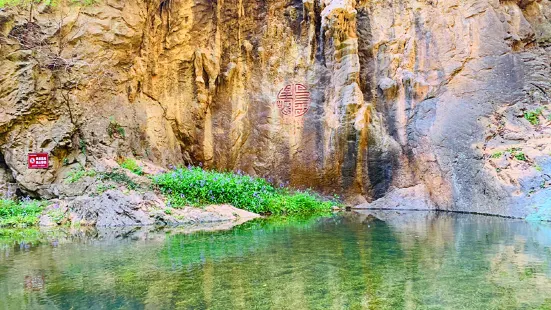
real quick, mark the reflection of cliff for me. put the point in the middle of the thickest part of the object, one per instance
(513, 271)
(404, 92)
(369, 261)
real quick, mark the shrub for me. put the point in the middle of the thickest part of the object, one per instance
(197, 187)
(130, 164)
(20, 213)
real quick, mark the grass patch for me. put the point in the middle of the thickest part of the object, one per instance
(114, 129)
(132, 165)
(102, 188)
(20, 213)
(533, 116)
(518, 154)
(197, 187)
(497, 155)
(118, 176)
(76, 175)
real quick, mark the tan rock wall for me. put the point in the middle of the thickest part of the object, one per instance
(402, 90)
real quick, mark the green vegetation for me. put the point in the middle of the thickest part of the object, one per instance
(102, 188)
(118, 176)
(56, 215)
(534, 116)
(115, 130)
(82, 146)
(518, 154)
(521, 156)
(197, 187)
(76, 175)
(20, 213)
(12, 236)
(130, 164)
(497, 154)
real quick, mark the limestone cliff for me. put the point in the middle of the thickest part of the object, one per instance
(432, 95)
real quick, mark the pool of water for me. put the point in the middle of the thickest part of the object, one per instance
(368, 260)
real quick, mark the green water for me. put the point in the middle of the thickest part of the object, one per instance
(374, 260)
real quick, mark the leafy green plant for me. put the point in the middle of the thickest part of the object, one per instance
(56, 215)
(120, 177)
(534, 116)
(114, 129)
(497, 154)
(102, 188)
(82, 145)
(20, 213)
(197, 187)
(76, 175)
(518, 154)
(132, 165)
(521, 156)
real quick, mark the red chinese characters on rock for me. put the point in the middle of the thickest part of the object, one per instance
(38, 161)
(294, 100)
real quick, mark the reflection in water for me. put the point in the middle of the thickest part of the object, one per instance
(370, 260)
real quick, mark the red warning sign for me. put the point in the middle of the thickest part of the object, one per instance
(294, 100)
(38, 160)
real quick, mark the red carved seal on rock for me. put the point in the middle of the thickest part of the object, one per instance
(293, 100)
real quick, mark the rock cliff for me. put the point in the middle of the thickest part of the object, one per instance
(450, 98)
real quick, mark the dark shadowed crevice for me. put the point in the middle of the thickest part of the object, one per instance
(365, 51)
(379, 164)
(8, 187)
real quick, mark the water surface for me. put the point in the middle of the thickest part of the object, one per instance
(373, 260)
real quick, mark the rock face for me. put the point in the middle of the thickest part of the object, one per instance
(117, 209)
(404, 93)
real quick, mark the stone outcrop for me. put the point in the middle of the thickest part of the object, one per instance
(404, 94)
(114, 208)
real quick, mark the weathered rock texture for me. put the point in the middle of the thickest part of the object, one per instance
(404, 93)
(117, 209)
